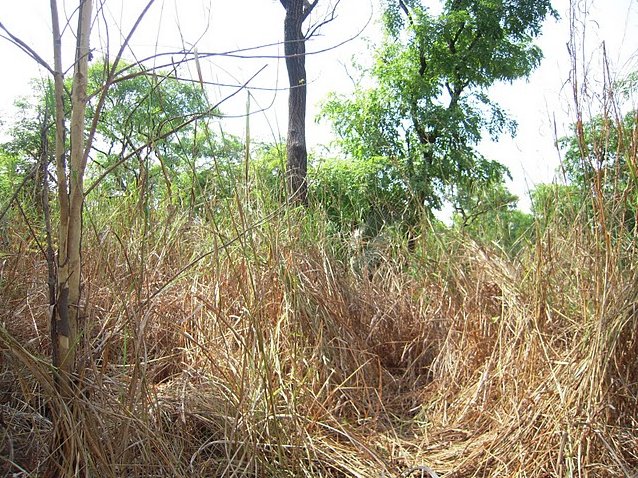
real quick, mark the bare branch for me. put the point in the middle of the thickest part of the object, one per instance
(172, 76)
(11, 38)
(327, 19)
(170, 132)
(189, 56)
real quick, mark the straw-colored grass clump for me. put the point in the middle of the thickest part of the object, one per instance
(270, 355)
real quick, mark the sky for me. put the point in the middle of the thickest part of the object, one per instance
(542, 105)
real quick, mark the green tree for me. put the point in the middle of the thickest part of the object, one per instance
(146, 119)
(28, 146)
(144, 143)
(600, 163)
(600, 152)
(367, 193)
(490, 215)
(557, 204)
(428, 106)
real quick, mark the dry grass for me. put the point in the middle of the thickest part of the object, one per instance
(271, 357)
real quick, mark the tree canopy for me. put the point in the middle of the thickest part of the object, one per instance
(428, 105)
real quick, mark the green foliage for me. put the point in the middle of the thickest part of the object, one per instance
(10, 174)
(206, 170)
(557, 204)
(366, 192)
(428, 107)
(600, 163)
(602, 153)
(267, 170)
(147, 150)
(162, 125)
(30, 136)
(141, 106)
(33, 115)
(490, 216)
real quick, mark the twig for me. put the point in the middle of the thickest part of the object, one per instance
(421, 468)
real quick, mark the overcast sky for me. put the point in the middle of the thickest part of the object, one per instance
(540, 105)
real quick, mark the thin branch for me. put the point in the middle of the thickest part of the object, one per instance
(11, 38)
(190, 56)
(169, 76)
(327, 19)
(168, 133)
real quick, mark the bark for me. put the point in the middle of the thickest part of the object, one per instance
(46, 210)
(295, 49)
(64, 327)
(58, 343)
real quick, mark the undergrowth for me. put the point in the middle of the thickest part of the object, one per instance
(261, 350)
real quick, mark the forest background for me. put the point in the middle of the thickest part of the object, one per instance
(542, 104)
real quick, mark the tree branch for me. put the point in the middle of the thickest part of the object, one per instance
(327, 19)
(308, 8)
(168, 133)
(10, 37)
(407, 12)
(452, 42)
(423, 65)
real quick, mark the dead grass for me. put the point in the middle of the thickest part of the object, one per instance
(270, 357)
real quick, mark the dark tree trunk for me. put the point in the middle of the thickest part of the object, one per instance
(295, 48)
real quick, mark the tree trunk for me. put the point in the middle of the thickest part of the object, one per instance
(70, 192)
(65, 458)
(295, 48)
(45, 191)
(60, 164)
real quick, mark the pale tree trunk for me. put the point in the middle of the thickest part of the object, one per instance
(66, 335)
(77, 165)
(295, 49)
(60, 165)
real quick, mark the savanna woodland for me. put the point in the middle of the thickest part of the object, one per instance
(179, 300)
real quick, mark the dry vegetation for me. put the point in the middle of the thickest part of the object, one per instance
(271, 356)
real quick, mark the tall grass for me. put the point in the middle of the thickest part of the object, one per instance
(253, 350)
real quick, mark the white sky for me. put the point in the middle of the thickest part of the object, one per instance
(222, 25)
